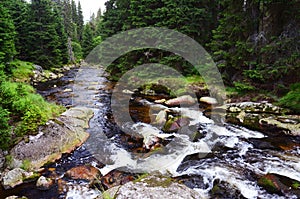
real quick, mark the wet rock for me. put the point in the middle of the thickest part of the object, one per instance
(264, 117)
(67, 90)
(208, 100)
(44, 183)
(85, 172)
(290, 125)
(116, 178)
(274, 183)
(153, 187)
(2, 160)
(16, 197)
(175, 123)
(224, 190)
(58, 136)
(15, 177)
(160, 101)
(182, 100)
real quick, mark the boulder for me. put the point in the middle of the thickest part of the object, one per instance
(175, 123)
(16, 197)
(15, 177)
(265, 117)
(44, 183)
(84, 172)
(58, 136)
(152, 187)
(274, 183)
(289, 124)
(208, 100)
(182, 100)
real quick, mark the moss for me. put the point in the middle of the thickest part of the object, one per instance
(296, 185)
(268, 184)
(155, 181)
(26, 165)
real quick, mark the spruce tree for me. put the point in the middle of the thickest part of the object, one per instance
(79, 22)
(7, 36)
(43, 40)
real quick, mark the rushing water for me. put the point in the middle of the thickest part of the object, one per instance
(225, 154)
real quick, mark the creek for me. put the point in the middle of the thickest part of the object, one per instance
(224, 161)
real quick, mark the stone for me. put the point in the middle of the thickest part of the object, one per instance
(265, 117)
(152, 187)
(289, 124)
(84, 172)
(16, 197)
(274, 183)
(116, 178)
(15, 177)
(2, 160)
(67, 90)
(182, 100)
(175, 123)
(61, 135)
(44, 183)
(208, 100)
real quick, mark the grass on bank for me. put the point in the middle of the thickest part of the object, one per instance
(22, 110)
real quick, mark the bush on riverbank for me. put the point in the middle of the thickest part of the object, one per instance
(21, 109)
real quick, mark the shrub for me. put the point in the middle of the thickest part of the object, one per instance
(4, 128)
(77, 50)
(28, 108)
(292, 99)
(21, 71)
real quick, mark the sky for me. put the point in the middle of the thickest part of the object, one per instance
(91, 6)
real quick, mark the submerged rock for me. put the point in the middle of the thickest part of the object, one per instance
(84, 172)
(116, 178)
(58, 136)
(152, 187)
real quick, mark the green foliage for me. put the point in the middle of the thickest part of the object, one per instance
(292, 98)
(4, 128)
(28, 109)
(243, 87)
(26, 165)
(7, 36)
(21, 71)
(77, 50)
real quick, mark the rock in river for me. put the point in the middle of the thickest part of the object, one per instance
(44, 183)
(182, 100)
(58, 136)
(152, 187)
(15, 177)
(84, 172)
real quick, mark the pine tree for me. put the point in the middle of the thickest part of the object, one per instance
(43, 39)
(18, 10)
(87, 40)
(7, 36)
(79, 22)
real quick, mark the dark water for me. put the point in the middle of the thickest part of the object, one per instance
(225, 162)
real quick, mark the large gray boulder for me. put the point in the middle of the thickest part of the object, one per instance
(152, 187)
(265, 117)
(58, 136)
(15, 177)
